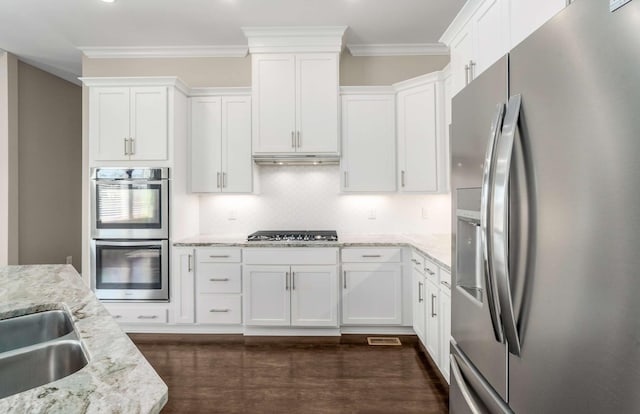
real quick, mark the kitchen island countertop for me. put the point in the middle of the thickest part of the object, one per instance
(437, 247)
(117, 378)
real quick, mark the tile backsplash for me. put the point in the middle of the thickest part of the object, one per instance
(308, 197)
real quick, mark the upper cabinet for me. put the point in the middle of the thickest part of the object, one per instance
(484, 30)
(295, 103)
(220, 144)
(295, 89)
(128, 123)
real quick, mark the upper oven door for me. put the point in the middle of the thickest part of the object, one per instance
(130, 209)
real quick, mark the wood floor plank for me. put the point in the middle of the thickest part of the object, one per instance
(348, 376)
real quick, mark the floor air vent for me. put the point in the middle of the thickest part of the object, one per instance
(372, 340)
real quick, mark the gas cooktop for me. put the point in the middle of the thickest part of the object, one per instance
(294, 235)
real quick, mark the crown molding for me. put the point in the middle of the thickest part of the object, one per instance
(164, 52)
(172, 81)
(295, 39)
(399, 49)
(220, 91)
(367, 90)
(463, 16)
(418, 81)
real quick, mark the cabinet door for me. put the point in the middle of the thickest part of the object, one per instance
(183, 286)
(461, 55)
(237, 165)
(369, 143)
(418, 305)
(266, 295)
(445, 331)
(109, 123)
(417, 129)
(526, 16)
(274, 103)
(149, 123)
(206, 142)
(490, 34)
(432, 331)
(371, 294)
(314, 296)
(317, 103)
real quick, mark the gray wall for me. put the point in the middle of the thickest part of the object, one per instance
(50, 167)
(200, 72)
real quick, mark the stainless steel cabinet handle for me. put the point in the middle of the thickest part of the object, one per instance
(117, 316)
(189, 268)
(217, 180)
(219, 310)
(433, 306)
(299, 139)
(126, 146)
(148, 317)
(466, 74)
(402, 178)
(219, 256)
(485, 213)
(500, 222)
(420, 299)
(224, 180)
(431, 272)
(471, 71)
(213, 279)
(418, 263)
(371, 255)
(293, 140)
(286, 281)
(414, 260)
(293, 280)
(446, 284)
(344, 278)
(132, 148)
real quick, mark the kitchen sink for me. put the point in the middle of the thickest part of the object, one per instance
(37, 349)
(33, 329)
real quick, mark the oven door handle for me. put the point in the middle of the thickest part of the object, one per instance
(142, 243)
(126, 181)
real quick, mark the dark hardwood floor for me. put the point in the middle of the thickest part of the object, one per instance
(234, 375)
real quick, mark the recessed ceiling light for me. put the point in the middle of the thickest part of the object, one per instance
(108, 1)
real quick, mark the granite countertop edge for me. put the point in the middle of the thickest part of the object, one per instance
(117, 377)
(437, 248)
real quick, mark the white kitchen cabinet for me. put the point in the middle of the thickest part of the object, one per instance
(218, 286)
(432, 324)
(462, 55)
(128, 123)
(183, 285)
(526, 16)
(418, 304)
(138, 314)
(295, 103)
(219, 309)
(371, 294)
(418, 133)
(220, 144)
(291, 296)
(445, 329)
(369, 142)
(490, 35)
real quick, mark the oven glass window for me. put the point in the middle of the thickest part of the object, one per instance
(132, 206)
(129, 267)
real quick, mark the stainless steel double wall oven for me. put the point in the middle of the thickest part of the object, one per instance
(130, 233)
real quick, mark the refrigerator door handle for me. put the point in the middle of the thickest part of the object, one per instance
(485, 211)
(500, 222)
(483, 398)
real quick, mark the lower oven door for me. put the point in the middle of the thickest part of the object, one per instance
(130, 270)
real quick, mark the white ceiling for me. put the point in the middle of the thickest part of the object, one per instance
(47, 33)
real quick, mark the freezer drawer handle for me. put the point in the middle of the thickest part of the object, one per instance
(464, 390)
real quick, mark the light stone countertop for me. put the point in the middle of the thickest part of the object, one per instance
(436, 247)
(117, 379)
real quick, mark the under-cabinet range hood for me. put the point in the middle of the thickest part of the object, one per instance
(296, 159)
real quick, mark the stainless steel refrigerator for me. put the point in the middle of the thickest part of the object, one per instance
(546, 221)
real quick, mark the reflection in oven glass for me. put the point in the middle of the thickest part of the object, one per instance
(129, 204)
(130, 266)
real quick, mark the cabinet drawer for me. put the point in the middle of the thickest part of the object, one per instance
(432, 271)
(417, 262)
(291, 256)
(218, 278)
(219, 309)
(147, 315)
(445, 279)
(218, 255)
(368, 255)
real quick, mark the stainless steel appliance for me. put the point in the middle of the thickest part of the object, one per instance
(130, 269)
(294, 235)
(130, 203)
(545, 185)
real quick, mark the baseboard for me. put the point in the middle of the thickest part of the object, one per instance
(436, 369)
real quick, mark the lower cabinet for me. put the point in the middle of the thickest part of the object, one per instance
(432, 325)
(138, 313)
(445, 330)
(218, 287)
(291, 296)
(371, 294)
(419, 304)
